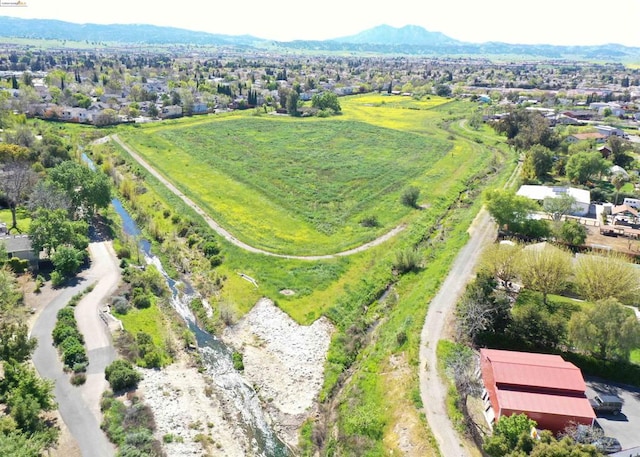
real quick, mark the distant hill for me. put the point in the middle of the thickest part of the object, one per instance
(384, 39)
(49, 29)
(412, 35)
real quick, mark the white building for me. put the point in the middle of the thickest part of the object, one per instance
(539, 193)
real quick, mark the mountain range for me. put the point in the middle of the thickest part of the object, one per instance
(383, 39)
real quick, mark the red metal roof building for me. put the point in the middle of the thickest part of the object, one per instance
(545, 387)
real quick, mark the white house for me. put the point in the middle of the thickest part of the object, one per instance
(632, 202)
(539, 193)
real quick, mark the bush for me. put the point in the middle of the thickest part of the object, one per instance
(57, 279)
(121, 375)
(370, 221)
(410, 197)
(407, 260)
(238, 363)
(73, 352)
(78, 379)
(120, 305)
(18, 266)
(62, 331)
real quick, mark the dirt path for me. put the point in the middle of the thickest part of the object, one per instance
(230, 238)
(432, 388)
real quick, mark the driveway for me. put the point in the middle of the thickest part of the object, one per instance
(626, 425)
(79, 407)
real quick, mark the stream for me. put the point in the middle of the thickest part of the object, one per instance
(216, 356)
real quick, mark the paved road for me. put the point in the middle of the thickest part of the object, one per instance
(433, 390)
(80, 406)
(229, 237)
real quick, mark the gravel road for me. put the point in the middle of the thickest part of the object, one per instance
(432, 388)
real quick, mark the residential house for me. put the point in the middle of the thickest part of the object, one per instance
(593, 136)
(171, 111)
(544, 387)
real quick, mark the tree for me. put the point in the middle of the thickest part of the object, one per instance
(67, 260)
(619, 148)
(558, 207)
(326, 100)
(292, 103)
(600, 277)
(607, 330)
(9, 292)
(501, 262)
(584, 166)
(51, 229)
(461, 364)
(537, 164)
(87, 189)
(618, 180)
(572, 232)
(15, 342)
(410, 197)
(481, 309)
(545, 270)
(17, 178)
(506, 434)
(47, 196)
(512, 211)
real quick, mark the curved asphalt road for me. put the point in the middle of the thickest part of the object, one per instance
(229, 237)
(80, 406)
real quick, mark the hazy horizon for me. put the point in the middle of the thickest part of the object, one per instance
(568, 22)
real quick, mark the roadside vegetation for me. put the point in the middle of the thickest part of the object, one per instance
(27, 427)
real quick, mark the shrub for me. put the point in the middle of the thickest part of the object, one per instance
(410, 197)
(370, 221)
(62, 331)
(238, 363)
(57, 279)
(141, 300)
(78, 379)
(17, 265)
(124, 252)
(73, 352)
(407, 260)
(120, 305)
(121, 375)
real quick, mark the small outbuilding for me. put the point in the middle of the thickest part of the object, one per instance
(545, 387)
(20, 246)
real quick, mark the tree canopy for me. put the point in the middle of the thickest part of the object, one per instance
(607, 330)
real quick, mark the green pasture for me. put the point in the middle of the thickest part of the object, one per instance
(302, 186)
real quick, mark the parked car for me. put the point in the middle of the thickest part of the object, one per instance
(607, 445)
(606, 404)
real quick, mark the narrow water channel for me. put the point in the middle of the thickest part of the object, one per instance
(216, 356)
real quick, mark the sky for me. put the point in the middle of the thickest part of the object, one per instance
(559, 22)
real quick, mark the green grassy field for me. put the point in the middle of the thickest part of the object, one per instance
(302, 186)
(449, 162)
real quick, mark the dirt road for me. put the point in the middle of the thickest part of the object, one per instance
(229, 237)
(432, 388)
